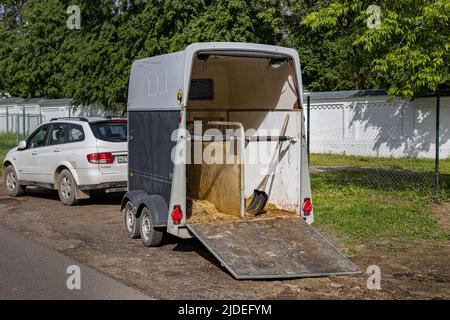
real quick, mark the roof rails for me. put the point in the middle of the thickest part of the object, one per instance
(110, 117)
(71, 118)
(99, 119)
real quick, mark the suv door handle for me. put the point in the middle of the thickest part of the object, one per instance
(57, 150)
(34, 153)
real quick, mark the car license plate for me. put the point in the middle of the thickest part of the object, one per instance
(122, 159)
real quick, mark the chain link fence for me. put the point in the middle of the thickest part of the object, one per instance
(376, 143)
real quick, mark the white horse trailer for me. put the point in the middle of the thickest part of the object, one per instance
(217, 151)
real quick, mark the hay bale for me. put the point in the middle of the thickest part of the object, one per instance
(203, 211)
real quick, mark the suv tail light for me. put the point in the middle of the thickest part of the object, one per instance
(101, 158)
(307, 207)
(117, 121)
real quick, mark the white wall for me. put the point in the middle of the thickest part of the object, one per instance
(378, 126)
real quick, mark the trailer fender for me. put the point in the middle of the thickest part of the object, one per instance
(158, 209)
(155, 203)
(135, 197)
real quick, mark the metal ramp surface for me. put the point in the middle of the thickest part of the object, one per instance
(272, 249)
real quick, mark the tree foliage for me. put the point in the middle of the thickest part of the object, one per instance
(330, 62)
(41, 57)
(408, 54)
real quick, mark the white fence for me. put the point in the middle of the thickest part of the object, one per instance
(24, 116)
(369, 123)
(361, 123)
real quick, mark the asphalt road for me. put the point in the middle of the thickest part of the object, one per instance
(29, 270)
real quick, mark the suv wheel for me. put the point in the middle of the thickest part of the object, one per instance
(12, 183)
(67, 188)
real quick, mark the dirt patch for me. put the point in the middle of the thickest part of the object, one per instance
(8, 202)
(442, 214)
(93, 234)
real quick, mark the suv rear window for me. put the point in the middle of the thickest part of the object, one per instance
(111, 131)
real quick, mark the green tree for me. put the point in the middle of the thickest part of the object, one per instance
(30, 60)
(329, 61)
(233, 20)
(41, 57)
(408, 54)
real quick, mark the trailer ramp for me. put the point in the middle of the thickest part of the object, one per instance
(272, 249)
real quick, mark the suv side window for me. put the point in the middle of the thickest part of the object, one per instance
(39, 137)
(75, 133)
(65, 133)
(57, 134)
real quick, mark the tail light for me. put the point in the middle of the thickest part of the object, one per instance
(118, 121)
(101, 158)
(307, 207)
(177, 215)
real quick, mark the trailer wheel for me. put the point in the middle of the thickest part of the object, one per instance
(132, 223)
(150, 236)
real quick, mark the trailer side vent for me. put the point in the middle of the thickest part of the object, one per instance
(177, 215)
(307, 207)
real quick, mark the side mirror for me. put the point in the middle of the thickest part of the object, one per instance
(22, 145)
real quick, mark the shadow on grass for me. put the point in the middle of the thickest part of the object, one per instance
(379, 178)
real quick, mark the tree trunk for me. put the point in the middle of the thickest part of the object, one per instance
(360, 81)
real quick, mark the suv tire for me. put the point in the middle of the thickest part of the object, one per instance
(12, 183)
(67, 188)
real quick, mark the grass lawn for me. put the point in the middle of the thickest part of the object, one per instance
(373, 203)
(2, 154)
(7, 141)
(412, 164)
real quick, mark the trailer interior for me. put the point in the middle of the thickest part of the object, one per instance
(260, 93)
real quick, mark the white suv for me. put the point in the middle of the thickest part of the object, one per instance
(72, 155)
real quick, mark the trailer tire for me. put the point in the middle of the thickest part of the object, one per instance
(151, 237)
(131, 221)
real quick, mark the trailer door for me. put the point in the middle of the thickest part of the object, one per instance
(150, 147)
(272, 249)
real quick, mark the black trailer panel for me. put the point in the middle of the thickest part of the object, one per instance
(272, 249)
(150, 151)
